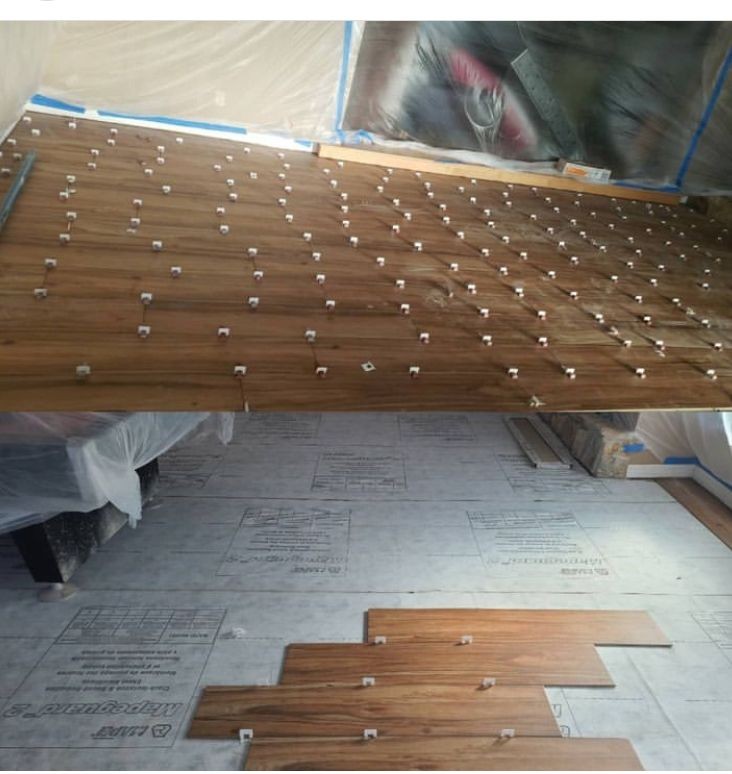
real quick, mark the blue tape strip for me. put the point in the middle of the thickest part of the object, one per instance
(721, 481)
(633, 447)
(6, 206)
(706, 115)
(665, 188)
(40, 99)
(681, 461)
(343, 78)
(175, 122)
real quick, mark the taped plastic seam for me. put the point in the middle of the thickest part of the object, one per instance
(706, 115)
(56, 462)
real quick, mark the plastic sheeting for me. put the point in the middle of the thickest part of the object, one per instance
(277, 76)
(683, 436)
(648, 100)
(23, 48)
(50, 463)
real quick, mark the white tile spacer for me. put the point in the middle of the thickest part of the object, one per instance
(71, 216)
(551, 274)
(370, 733)
(512, 372)
(471, 288)
(333, 183)
(487, 213)
(599, 317)
(353, 241)
(487, 682)
(83, 371)
(282, 176)
(574, 295)
(460, 235)
(654, 282)
(487, 340)
(247, 149)
(137, 203)
(718, 346)
(346, 223)
(466, 639)
(286, 188)
(484, 311)
(627, 343)
(179, 140)
(640, 373)
(146, 298)
(380, 260)
(258, 275)
(50, 263)
(417, 246)
(246, 734)
(570, 373)
(659, 345)
(329, 305)
(414, 371)
(445, 219)
(395, 202)
(310, 335)
(63, 195)
(176, 271)
(160, 160)
(473, 200)
(380, 188)
(157, 245)
(404, 308)
(148, 172)
(223, 229)
(523, 255)
(491, 224)
(316, 256)
(630, 264)
(614, 278)
(485, 252)
(647, 319)
(400, 284)
(71, 124)
(71, 179)
(379, 639)
(166, 189)
(40, 292)
(344, 196)
(223, 332)
(307, 236)
(27, 119)
(541, 314)
(36, 132)
(454, 266)
(229, 158)
(251, 252)
(706, 323)
(143, 331)
(320, 279)
(396, 228)
(503, 271)
(424, 337)
(221, 211)
(289, 217)
(519, 292)
(240, 370)
(282, 201)
(368, 681)
(253, 302)
(64, 237)
(574, 260)
(135, 222)
(710, 373)
(532, 216)
(344, 208)
(321, 371)
(507, 733)
(543, 341)
(368, 366)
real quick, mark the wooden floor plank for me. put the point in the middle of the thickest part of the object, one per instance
(599, 627)
(702, 504)
(444, 753)
(435, 663)
(394, 710)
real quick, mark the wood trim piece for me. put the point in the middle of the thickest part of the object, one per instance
(456, 169)
(510, 663)
(445, 753)
(703, 505)
(539, 443)
(394, 710)
(599, 627)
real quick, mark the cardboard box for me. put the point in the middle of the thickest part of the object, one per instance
(573, 169)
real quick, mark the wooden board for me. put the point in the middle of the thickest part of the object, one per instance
(710, 511)
(445, 753)
(458, 169)
(599, 627)
(92, 310)
(511, 663)
(394, 710)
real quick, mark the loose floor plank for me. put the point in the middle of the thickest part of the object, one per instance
(394, 710)
(444, 753)
(445, 664)
(703, 505)
(598, 627)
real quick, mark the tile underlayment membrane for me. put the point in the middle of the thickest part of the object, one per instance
(304, 522)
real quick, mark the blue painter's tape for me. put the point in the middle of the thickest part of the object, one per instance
(666, 188)
(706, 115)
(724, 483)
(40, 99)
(631, 448)
(175, 122)
(681, 461)
(343, 78)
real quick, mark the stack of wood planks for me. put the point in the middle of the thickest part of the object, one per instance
(432, 689)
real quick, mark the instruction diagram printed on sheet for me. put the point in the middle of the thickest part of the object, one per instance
(115, 677)
(360, 470)
(515, 543)
(270, 427)
(527, 480)
(191, 468)
(441, 429)
(307, 541)
(718, 625)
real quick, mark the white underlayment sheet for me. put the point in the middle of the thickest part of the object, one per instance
(304, 522)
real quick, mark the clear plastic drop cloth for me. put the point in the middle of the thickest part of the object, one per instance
(649, 101)
(55, 462)
(702, 435)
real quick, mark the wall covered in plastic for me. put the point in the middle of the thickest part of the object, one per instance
(650, 101)
(281, 77)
